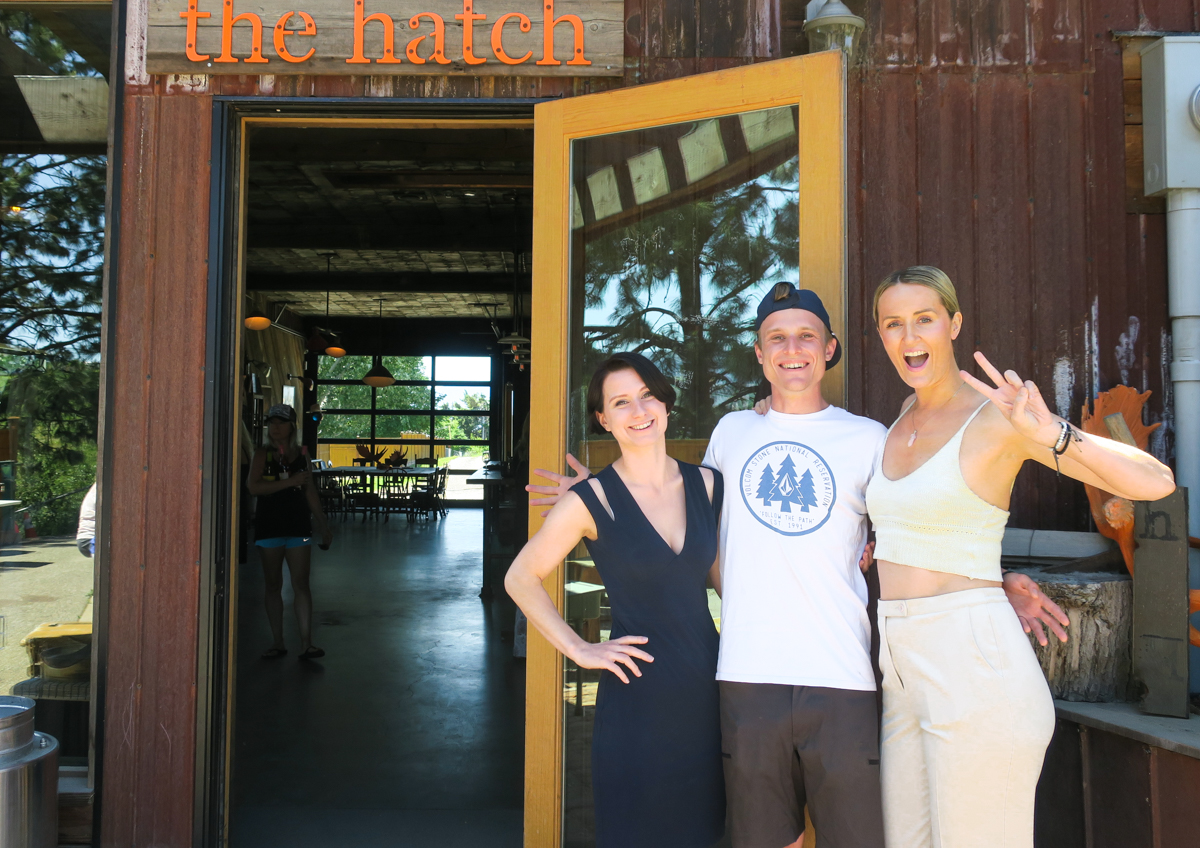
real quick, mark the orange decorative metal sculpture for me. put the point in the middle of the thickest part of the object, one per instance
(1117, 414)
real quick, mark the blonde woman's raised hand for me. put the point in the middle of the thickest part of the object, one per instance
(1018, 400)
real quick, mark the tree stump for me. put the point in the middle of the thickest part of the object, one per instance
(1095, 662)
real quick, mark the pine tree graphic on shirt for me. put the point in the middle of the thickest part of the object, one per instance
(765, 484)
(786, 490)
(808, 495)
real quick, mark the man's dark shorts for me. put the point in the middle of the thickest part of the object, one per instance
(788, 746)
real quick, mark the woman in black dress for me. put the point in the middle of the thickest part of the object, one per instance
(650, 523)
(283, 520)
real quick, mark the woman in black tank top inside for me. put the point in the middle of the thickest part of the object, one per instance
(287, 504)
(650, 524)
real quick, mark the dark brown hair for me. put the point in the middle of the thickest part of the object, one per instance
(647, 370)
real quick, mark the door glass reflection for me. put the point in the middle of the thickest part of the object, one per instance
(677, 231)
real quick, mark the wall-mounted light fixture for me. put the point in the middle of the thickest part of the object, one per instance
(830, 25)
(308, 382)
(256, 320)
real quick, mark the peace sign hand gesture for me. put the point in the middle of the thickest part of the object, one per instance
(1018, 401)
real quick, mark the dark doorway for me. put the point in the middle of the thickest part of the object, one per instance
(408, 250)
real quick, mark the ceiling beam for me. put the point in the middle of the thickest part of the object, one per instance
(320, 144)
(342, 281)
(85, 29)
(443, 239)
(408, 179)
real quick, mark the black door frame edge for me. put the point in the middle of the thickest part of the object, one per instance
(101, 580)
(222, 380)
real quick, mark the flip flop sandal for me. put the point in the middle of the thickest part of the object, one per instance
(312, 654)
(274, 653)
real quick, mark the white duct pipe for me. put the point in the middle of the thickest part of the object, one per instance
(1183, 286)
(1183, 291)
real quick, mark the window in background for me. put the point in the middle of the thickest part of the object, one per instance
(439, 406)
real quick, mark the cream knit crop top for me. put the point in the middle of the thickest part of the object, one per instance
(931, 519)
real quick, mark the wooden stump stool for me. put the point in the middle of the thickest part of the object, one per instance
(1095, 663)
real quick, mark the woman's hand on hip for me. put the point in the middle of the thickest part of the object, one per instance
(612, 655)
(562, 484)
(1033, 608)
(1019, 401)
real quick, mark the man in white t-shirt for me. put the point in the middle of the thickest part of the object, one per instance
(799, 721)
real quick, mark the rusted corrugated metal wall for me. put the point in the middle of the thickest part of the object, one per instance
(985, 137)
(988, 138)
(157, 400)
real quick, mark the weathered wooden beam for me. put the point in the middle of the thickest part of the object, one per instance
(440, 239)
(71, 110)
(483, 283)
(388, 37)
(419, 180)
(361, 145)
(87, 30)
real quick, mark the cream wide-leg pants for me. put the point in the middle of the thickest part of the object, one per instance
(967, 717)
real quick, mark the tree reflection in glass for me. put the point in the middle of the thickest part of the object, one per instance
(676, 233)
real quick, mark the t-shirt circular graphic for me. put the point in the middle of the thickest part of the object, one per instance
(788, 487)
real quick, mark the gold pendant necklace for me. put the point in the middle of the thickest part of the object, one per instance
(913, 437)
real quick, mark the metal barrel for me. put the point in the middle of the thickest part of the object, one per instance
(28, 779)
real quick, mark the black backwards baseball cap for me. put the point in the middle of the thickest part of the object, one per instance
(283, 412)
(786, 296)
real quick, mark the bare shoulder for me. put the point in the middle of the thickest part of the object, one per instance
(991, 433)
(571, 514)
(600, 495)
(709, 478)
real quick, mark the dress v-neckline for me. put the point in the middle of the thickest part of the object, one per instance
(686, 524)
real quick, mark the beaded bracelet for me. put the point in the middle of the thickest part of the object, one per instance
(1064, 441)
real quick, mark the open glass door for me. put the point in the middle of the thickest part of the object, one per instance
(661, 215)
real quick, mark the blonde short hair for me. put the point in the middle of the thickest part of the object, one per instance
(920, 275)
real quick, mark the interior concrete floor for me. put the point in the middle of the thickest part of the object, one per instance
(410, 731)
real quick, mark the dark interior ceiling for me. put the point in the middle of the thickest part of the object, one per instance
(436, 222)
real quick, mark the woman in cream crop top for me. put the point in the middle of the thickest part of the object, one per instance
(940, 493)
(967, 714)
(931, 519)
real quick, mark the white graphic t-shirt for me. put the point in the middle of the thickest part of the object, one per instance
(793, 527)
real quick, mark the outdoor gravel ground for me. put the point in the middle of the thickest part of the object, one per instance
(41, 581)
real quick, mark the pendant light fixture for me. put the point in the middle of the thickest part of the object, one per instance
(256, 320)
(378, 377)
(333, 346)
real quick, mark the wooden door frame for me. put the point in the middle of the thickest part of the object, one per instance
(232, 116)
(816, 84)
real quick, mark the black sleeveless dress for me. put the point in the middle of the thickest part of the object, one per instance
(656, 746)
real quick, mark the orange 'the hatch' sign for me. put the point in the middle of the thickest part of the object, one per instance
(477, 37)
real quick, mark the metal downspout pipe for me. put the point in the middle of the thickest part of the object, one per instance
(1183, 305)
(1183, 286)
(1171, 167)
